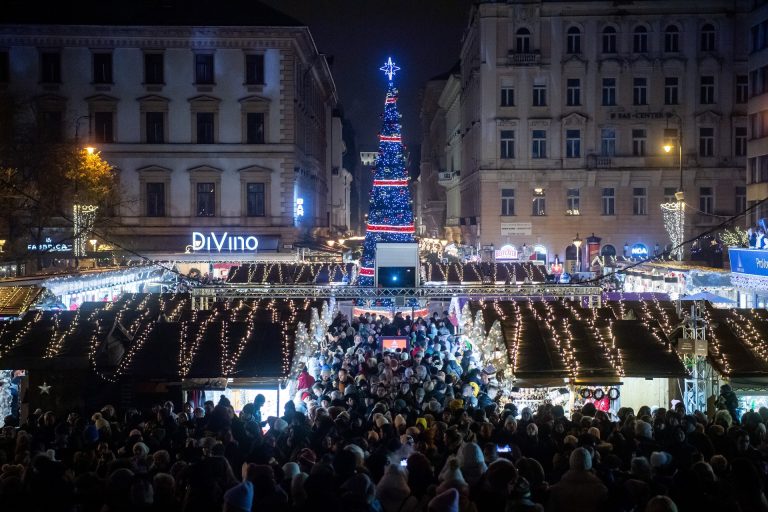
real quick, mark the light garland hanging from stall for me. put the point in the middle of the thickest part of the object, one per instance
(673, 215)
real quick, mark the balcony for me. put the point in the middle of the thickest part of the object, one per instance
(603, 162)
(523, 59)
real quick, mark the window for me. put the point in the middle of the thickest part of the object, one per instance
(573, 40)
(572, 202)
(671, 88)
(507, 202)
(507, 96)
(640, 91)
(523, 41)
(706, 200)
(608, 142)
(754, 126)
(103, 127)
(740, 141)
(539, 207)
(206, 199)
(5, 68)
(638, 142)
(155, 200)
(609, 40)
(573, 143)
(671, 39)
(155, 126)
(609, 91)
(539, 95)
(255, 200)
(669, 194)
(50, 67)
(742, 88)
(205, 127)
(609, 201)
(639, 201)
(204, 68)
(573, 92)
(51, 126)
(153, 68)
(707, 38)
(741, 199)
(254, 69)
(539, 144)
(254, 128)
(640, 40)
(507, 140)
(706, 141)
(102, 68)
(707, 90)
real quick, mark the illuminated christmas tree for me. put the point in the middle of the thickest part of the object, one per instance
(390, 217)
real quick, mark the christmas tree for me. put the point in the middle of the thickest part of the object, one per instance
(390, 218)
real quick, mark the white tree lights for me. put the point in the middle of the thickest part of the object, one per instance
(674, 222)
(83, 217)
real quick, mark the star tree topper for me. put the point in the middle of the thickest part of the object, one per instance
(389, 68)
(45, 389)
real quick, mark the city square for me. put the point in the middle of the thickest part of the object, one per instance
(278, 255)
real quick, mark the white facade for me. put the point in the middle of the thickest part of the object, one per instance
(210, 128)
(555, 124)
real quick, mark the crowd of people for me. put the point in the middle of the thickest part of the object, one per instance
(420, 429)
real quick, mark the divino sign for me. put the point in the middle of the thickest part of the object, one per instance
(223, 242)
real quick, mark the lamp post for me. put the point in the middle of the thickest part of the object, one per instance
(674, 137)
(577, 243)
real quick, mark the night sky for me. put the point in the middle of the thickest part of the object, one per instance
(422, 36)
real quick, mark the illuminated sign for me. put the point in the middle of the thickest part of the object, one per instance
(299, 206)
(49, 246)
(639, 251)
(223, 242)
(506, 253)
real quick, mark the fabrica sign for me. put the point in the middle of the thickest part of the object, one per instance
(223, 242)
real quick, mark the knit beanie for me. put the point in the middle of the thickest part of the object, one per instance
(240, 496)
(446, 501)
(580, 460)
(393, 488)
(472, 462)
(290, 469)
(451, 477)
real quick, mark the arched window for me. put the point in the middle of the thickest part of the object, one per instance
(608, 251)
(523, 40)
(573, 40)
(609, 40)
(671, 39)
(640, 40)
(707, 39)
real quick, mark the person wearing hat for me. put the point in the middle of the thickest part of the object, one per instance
(579, 490)
(239, 498)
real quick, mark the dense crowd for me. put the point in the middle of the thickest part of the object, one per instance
(420, 429)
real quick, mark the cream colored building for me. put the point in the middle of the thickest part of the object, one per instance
(757, 147)
(555, 123)
(215, 126)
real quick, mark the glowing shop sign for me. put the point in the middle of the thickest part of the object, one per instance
(49, 246)
(223, 242)
(506, 253)
(299, 206)
(639, 250)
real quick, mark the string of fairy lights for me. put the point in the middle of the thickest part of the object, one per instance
(473, 272)
(290, 273)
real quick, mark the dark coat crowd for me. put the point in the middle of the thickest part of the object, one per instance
(424, 428)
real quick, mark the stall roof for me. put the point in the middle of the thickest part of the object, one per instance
(157, 336)
(553, 340)
(16, 300)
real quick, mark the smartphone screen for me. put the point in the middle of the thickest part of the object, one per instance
(503, 449)
(403, 462)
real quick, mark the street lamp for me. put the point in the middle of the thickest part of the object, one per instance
(674, 213)
(93, 243)
(577, 243)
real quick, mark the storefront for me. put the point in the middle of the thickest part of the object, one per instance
(749, 276)
(678, 279)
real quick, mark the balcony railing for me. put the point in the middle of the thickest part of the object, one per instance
(523, 59)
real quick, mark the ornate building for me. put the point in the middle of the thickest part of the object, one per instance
(217, 122)
(554, 125)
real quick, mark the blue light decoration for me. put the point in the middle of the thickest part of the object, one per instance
(390, 216)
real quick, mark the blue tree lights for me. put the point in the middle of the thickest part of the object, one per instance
(390, 216)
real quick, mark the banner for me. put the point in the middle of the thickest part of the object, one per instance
(748, 261)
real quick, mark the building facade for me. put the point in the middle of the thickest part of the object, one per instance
(757, 146)
(554, 125)
(221, 125)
